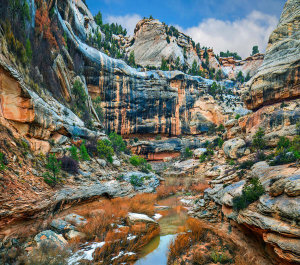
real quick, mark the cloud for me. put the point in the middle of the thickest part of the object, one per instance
(127, 21)
(236, 36)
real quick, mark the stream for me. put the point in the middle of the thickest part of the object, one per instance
(173, 217)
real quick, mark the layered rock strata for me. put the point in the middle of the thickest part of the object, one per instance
(278, 77)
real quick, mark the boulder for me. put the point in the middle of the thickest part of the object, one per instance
(50, 238)
(74, 234)
(61, 226)
(75, 219)
(234, 148)
(199, 151)
(140, 218)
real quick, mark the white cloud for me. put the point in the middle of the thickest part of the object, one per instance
(127, 21)
(239, 35)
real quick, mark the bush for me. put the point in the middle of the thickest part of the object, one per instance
(91, 148)
(221, 128)
(52, 176)
(141, 162)
(105, 150)
(286, 151)
(237, 116)
(207, 155)
(2, 165)
(158, 137)
(69, 165)
(283, 143)
(258, 140)
(218, 142)
(74, 152)
(247, 164)
(136, 181)
(251, 193)
(83, 153)
(117, 142)
(187, 153)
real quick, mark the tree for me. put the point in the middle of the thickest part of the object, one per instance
(240, 77)
(74, 152)
(98, 19)
(248, 77)
(117, 142)
(28, 49)
(131, 60)
(83, 153)
(177, 63)
(195, 68)
(168, 39)
(219, 75)
(255, 50)
(259, 142)
(52, 176)
(164, 65)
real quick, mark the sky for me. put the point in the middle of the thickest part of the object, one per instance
(234, 25)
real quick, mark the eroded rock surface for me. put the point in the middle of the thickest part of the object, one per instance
(278, 77)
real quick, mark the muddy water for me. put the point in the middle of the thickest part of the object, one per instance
(173, 218)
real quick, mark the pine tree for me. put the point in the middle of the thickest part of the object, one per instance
(131, 60)
(83, 153)
(255, 50)
(74, 152)
(164, 65)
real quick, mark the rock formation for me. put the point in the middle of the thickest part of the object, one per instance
(278, 77)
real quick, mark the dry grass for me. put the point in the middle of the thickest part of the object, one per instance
(191, 233)
(164, 191)
(102, 226)
(199, 187)
(180, 245)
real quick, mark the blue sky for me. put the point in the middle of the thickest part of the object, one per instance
(204, 20)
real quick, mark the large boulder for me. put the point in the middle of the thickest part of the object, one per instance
(234, 148)
(50, 238)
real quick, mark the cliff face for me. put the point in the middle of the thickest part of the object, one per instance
(250, 65)
(136, 102)
(278, 77)
(150, 45)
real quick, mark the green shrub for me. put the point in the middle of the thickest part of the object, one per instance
(141, 162)
(83, 153)
(286, 151)
(218, 142)
(237, 116)
(136, 139)
(221, 128)
(136, 181)
(283, 143)
(251, 193)
(117, 142)
(52, 176)
(158, 137)
(187, 153)
(105, 150)
(247, 164)
(2, 165)
(258, 140)
(74, 152)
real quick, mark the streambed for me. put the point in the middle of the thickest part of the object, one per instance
(173, 217)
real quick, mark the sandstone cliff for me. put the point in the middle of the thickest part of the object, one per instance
(278, 77)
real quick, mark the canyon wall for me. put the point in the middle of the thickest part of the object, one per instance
(278, 77)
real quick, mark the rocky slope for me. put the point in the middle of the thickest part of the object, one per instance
(278, 77)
